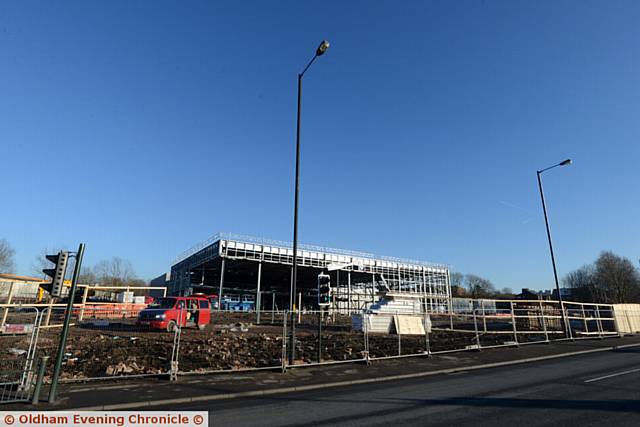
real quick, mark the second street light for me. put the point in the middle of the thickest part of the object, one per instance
(546, 221)
(294, 271)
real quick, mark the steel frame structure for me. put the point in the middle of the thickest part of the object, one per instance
(355, 286)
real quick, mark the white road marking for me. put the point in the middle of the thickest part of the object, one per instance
(612, 375)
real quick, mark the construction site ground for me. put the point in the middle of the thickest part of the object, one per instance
(118, 347)
(147, 392)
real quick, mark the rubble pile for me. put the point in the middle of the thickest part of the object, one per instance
(335, 347)
(91, 354)
(230, 351)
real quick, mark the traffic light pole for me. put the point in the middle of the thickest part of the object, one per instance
(320, 335)
(65, 327)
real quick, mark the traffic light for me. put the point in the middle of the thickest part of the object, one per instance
(324, 290)
(57, 274)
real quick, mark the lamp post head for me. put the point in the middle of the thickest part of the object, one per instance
(562, 163)
(322, 48)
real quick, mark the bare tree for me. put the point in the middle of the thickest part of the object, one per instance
(87, 276)
(138, 282)
(457, 284)
(506, 293)
(611, 279)
(479, 287)
(617, 278)
(456, 279)
(6, 257)
(582, 284)
(116, 272)
(41, 262)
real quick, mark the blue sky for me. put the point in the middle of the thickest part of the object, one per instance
(161, 123)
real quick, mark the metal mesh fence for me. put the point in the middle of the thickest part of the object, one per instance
(118, 341)
(231, 340)
(106, 343)
(18, 344)
(323, 337)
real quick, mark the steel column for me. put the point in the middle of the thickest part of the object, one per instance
(221, 285)
(349, 290)
(258, 294)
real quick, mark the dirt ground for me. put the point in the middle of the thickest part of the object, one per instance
(232, 341)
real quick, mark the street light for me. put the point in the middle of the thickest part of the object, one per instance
(322, 49)
(546, 221)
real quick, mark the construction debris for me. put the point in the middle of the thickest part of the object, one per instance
(16, 351)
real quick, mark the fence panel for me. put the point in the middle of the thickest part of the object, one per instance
(627, 318)
(455, 331)
(231, 340)
(109, 342)
(324, 336)
(19, 328)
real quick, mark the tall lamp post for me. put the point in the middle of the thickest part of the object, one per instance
(546, 221)
(294, 273)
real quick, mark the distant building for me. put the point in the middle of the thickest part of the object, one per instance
(160, 281)
(567, 294)
(21, 288)
(528, 294)
(546, 295)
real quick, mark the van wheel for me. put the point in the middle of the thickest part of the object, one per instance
(171, 327)
(202, 327)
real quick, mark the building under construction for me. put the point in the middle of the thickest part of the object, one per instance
(260, 269)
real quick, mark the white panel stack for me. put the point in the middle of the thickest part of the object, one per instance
(627, 318)
(375, 323)
(380, 315)
(139, 300)
(396, 306)
(125, 297)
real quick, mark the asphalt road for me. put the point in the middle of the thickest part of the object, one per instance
(597, 389)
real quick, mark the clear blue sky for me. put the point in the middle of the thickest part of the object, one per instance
(423, 126)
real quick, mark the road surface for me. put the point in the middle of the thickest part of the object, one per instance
(596, 389)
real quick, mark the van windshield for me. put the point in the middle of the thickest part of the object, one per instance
(163, 303)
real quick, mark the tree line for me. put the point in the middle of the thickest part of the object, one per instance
(474, 286)
(115, 271)
(6, 257)
(610, 279)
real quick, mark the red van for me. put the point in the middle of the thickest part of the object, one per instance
(213, 299)
(167, 312)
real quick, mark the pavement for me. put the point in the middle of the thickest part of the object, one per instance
(207, 391)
